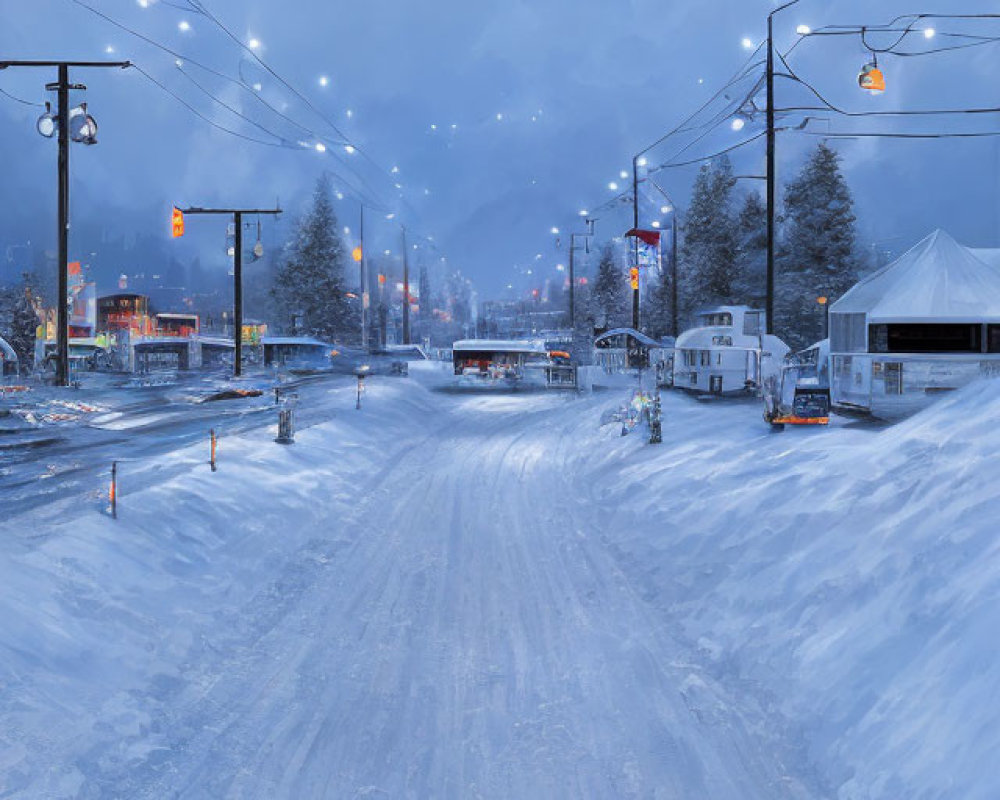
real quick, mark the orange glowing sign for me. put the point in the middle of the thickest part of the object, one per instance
(381, 280)
(633, 275)
(356, 254)
(177, 222)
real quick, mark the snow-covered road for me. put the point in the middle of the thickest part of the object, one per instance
(456, 627)
(490, 595)
(475, 639)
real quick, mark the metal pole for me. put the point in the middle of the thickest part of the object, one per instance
(572, 287)
(635, 243)
(62, 316)
(238, 296)
(364, 295)
(406, 292)
(769, 302)
(673, 273)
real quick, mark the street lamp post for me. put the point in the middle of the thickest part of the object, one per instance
(635, 244)
(62, 87)
(237, 214)
(572, 268)
(769, 302)
(406, 291)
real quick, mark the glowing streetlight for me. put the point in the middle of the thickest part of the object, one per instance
(324, 81)
(803, 30)
(623, 174)
(184, 26)
(747, 43)
(665, 209)
(929, 33)
(320, 147)
(254, 43)
(655, 223)
(583, 212)
(737, 124)
(554, 231)
(561, 267)
(613, 186)
(641, 161)
(349, 149)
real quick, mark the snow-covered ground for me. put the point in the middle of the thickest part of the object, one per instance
(492, 595)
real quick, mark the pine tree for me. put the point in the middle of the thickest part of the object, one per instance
(23, 324)
(817, 256)
(658, 319)
(709, 251)
(609, 299)
(750, 268)
(309, 286)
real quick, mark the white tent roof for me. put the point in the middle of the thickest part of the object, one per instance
(937, 280)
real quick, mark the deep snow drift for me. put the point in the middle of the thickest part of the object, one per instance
(484, 595)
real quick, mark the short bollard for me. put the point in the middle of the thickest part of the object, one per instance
(655, 421)
(113, 491)
(361, 388)
(212, 459)
(286, 427)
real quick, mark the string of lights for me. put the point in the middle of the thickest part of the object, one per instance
(369, 195)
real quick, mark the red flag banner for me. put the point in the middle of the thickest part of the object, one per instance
(652, 238)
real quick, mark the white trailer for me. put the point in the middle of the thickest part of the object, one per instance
(728, 353)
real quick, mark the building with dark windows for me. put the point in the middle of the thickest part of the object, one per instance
(921, 326)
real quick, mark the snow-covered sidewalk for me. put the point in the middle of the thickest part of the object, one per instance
(483, 595)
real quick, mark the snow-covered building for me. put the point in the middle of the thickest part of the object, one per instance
(622, 349)
(728, 352)
(927, 323)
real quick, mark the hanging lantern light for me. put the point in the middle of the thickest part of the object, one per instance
(82, 126)
(871, 77)
(47, 124)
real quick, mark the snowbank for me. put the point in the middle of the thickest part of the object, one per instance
(490, 594)
(849, 576)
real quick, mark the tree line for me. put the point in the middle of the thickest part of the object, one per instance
(722, 258)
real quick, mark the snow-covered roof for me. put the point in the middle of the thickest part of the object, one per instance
(640, 337)
(500, 346)
(937, 280)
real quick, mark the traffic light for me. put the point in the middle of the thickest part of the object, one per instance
(178, 222)
(633, 275)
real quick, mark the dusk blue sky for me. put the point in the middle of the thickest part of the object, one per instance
(580, 86)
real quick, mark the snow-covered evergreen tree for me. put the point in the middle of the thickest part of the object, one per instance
(609, 297)
(309, 285)
(20, 322)
(658, 317)
(817, 256)
(709, 251)
(750, 268)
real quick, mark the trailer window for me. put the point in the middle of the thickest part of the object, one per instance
(893, 377)
(706, 358)
(719, 319)
(751, 323)
(925, 338)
